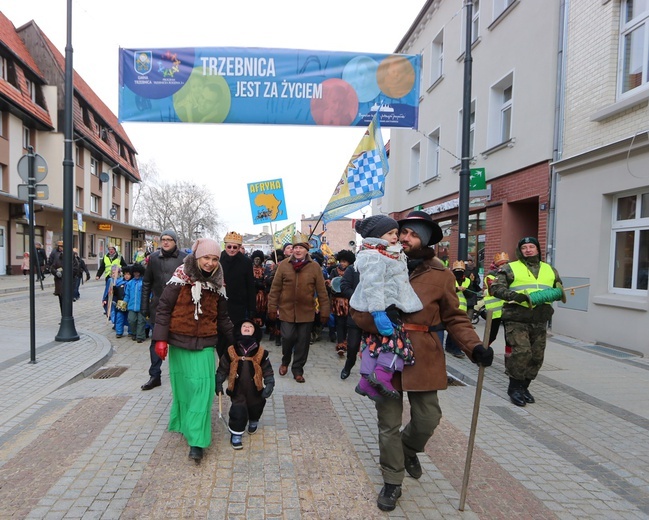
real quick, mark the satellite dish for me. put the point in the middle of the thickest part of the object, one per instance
(103, 177)
(113, 212)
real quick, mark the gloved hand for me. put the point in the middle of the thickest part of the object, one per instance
(219, 384)
(383, 323)
(268, 390)
(87, 277)
(161, 348)
(483, 356)
(522, 298)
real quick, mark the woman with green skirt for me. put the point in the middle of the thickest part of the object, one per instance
(191, 314)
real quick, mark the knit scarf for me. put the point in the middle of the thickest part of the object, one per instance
(181, 278)
(298, 265)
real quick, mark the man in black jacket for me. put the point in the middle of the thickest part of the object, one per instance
(160, 267)
(239, 282)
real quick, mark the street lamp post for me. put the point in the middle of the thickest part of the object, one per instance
(465, 170)
(67, 331)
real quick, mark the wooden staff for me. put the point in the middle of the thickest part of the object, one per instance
(476, 411)
(221, 411)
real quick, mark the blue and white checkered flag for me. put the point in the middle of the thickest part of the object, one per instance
(366, 173)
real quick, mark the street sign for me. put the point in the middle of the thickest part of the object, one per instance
(40, 168)
(42, 192)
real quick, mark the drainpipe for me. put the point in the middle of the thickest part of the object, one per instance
(559, 110)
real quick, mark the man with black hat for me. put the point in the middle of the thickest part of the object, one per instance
(160, 267)
(525, 324)
(435, 287)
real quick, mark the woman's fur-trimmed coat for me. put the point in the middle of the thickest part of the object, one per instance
(183, 321)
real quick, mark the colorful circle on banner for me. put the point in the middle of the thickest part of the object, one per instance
(360, 73)
(395, 76)
(338, 105)
(158, 74)
(203, 99)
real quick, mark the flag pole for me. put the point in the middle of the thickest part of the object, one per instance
(316, 225)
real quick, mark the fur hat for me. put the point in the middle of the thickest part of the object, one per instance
(127, 269)
(375, 226)
(169, 233)
(137, 268)
(257, 254)
(206, 246)
(344, 255)
(258, 334)
(530, 240)
(300, 239)
(233, 238)
(423, 224)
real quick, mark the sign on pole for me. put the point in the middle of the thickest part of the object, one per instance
(267, 201)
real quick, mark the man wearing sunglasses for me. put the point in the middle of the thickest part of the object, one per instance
(238, 281)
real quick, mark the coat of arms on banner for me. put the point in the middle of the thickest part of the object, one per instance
(143, 62)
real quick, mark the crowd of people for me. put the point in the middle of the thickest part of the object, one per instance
(393, 304)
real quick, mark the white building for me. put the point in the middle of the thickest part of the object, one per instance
(602, 235)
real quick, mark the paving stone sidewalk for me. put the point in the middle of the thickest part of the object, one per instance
(579, 452)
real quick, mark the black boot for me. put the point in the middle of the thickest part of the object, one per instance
(388, 497)
(529, 398)
(151, 383)
(515, 392)
(196, 453)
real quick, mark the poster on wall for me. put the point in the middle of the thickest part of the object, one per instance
(268, 86)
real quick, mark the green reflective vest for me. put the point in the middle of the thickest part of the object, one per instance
(108, 264)
(460, 294)
(525, 283)
(491, 302)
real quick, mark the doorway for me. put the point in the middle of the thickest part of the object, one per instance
(3, 252)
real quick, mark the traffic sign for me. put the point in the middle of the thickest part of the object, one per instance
(41, 192)
(40, 168)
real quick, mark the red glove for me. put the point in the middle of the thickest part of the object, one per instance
(161, 348)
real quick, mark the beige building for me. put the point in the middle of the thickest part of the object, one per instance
(32, 73)
(602, 233)
(338, 234)
(513, 106)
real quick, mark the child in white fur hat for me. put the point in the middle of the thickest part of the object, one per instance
(383, 289)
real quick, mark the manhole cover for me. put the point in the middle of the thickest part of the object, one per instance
(107, 373)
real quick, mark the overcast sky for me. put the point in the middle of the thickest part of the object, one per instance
(309, 159)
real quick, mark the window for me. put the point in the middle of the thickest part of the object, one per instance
(432, 164)
(95, 202)
(634, 45)
(630, 241)
(475, 21)
(78, 197)
(3, 68)
(27, 136)
(500, 111)
(415, 159)
(500, 6)
(31, 89)
(471, 132)
(2, 123)
(94, 166)
(437, 58)
(4, 185)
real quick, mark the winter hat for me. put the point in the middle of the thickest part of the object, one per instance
(257, 334)
(206, 246)
(169, 233)
(375, 226)
(344, 255)
(423, 224)
(529, 240)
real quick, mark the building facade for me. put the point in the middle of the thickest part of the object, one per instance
(32, 74)
(602, 231)
(513, 106)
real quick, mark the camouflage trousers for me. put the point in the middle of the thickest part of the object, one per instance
(524, 349)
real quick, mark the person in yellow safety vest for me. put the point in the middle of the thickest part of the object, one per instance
(491, 303)
(525, 324)
(105, 266)
(462, 283)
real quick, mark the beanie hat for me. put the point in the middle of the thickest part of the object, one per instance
(170, 233)
(423, 224)
(529, 240)
(283, 250)
(206, 246)
(375, 226)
